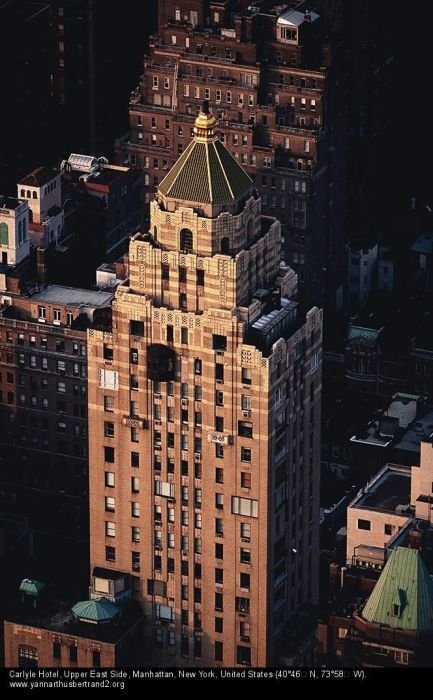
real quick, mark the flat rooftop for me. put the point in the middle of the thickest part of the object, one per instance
(266, 322)
(106, 176)
(403, 407)
(56, 615)
(420, 430)
(389, 489)
(72, 296)
(9, 202)
(293, 18)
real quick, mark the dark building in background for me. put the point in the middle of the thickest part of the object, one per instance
(263, 68)
(43, 391)
(67, 59)
(25, 86)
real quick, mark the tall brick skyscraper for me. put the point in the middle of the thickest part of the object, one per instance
(204, 409)
(262, 65)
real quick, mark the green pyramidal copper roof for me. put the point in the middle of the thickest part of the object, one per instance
(101, 610)
(206, 172)
(31, 587)
(403, 595)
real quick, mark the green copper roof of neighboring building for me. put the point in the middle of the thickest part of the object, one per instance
(206, 172)
(363, 333)
(403, 595)
(31, 587)
(101, 610)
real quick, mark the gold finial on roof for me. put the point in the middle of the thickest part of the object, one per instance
(204, 128)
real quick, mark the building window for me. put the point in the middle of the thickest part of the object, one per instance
(245, 429)
(27, 656)
(109, 454)
(219, 342)
(110, 504)
(109, 429)
(73, 653)
(364, 524)
(245, 454)
(245, 582)
(245, 480)
(245, 556)
(244, 631)
(219, 527)
(110, 554)
(186, 240)
(245, 532)
(136, 328)
(242, 604)
(110, 479)
(135, 534)
(135, 459)
(219, 501)
(57, 650)
(388, 529)
(246, 375)
(219, 602)
(135, 561)
(61, 367)
(110, 529)
(135, 484)
(96, 658)
(109, 404)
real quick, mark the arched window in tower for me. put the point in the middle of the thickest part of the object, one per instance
(249, 230)
(155, 233)
(20, 232)
(4, 237)
(35, 195)
(29, 194)
(225, 245)
(186, 240)
(22, 193)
